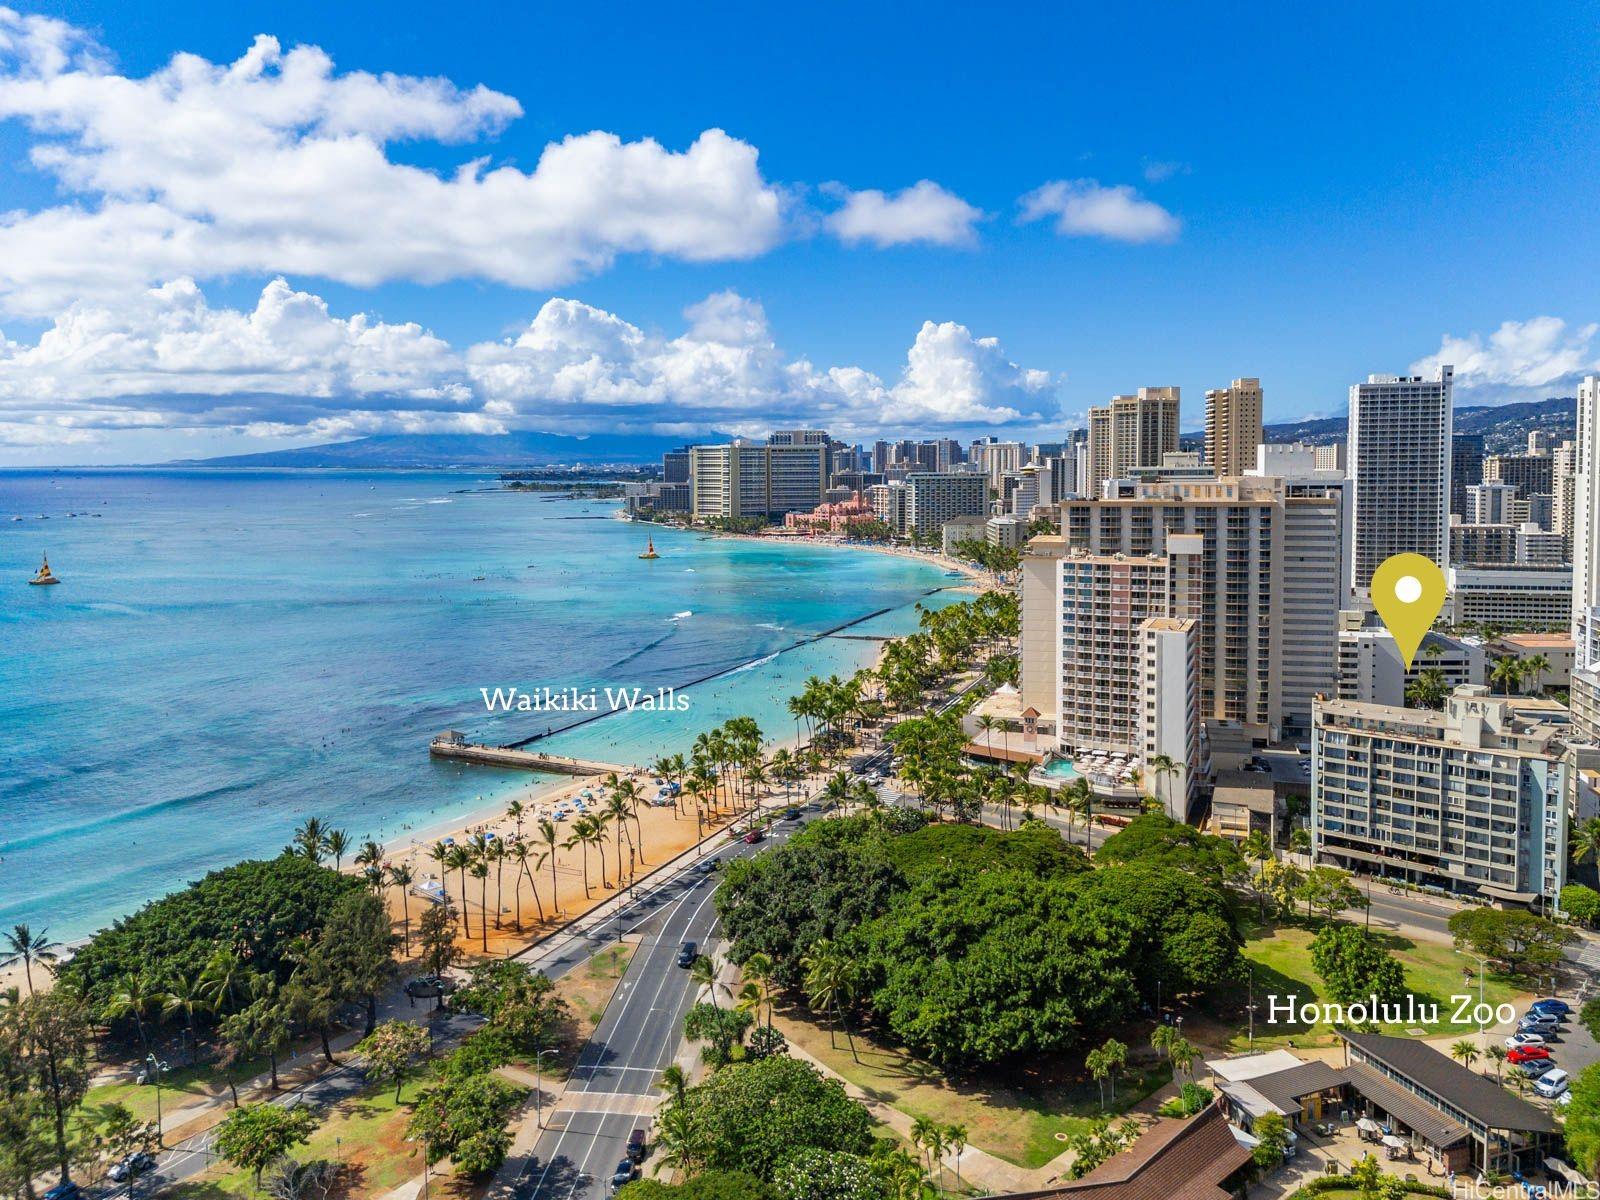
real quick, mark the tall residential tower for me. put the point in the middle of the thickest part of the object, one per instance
(1233, 427)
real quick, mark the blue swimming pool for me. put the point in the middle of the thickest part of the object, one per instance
(1059, 768)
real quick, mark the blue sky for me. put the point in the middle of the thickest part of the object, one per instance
(1324, 192)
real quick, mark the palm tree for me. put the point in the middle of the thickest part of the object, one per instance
(830, 982)
(310, 840)
(440, 853)
(494, 851)
(1464, 1052)
(1534, 667)
(336, 843)
(703, 973)
(518, 812)
(186, 994)
(955, 1136)
(675, 1081)
(402, 877)
(133, 995)
(1585, 840)
(583, 833)
(226, 979)
(370, 855)
(479, 870)
(759, 968)
(1497, 1055)
(24, 946)
(550, 838)
(459, 859)
(988, 723)
(1163, 765)
(1507, 673)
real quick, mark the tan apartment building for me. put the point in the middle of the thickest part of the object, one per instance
(1233, 427)
(1131, 431)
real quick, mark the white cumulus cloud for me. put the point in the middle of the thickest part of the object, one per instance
(1542, 356)
(276, 162)
(290, 367)
(1086, 208)
(923, 212)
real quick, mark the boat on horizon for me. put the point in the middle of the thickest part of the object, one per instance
(44, 575)
(650, 549)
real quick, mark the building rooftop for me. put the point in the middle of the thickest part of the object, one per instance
(1476, 1095)
(1174, 1160)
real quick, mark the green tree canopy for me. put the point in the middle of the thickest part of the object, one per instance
(1354, 966)
(255, 1135)
(1157, 839)
(1526, 944)
(257, 909)
(752, 1116)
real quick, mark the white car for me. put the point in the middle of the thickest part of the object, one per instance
(1523, 1039)
(1552, 1085)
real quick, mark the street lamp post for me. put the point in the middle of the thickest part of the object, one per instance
(1482, 1033)
(538, 1086)
(158, 1069)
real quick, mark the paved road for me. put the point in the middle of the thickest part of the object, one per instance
(618, 1068)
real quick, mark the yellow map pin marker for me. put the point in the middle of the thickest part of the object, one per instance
(1408, 592)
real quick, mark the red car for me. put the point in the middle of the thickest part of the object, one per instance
(1524, 1054)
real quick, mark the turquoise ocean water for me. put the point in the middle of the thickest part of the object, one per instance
(232, 652)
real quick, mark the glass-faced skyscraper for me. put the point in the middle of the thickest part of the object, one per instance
(1399, 471)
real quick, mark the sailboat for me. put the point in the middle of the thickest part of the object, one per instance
(650, 549)
(44, 576)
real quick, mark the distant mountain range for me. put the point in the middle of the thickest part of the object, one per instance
(422, 451)
(1505, 426)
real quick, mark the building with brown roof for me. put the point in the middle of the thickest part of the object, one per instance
(1194, 1159)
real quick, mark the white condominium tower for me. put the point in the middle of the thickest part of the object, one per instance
(1586, 564)
(1399, 471)
(1233, 427)
(1131, 431)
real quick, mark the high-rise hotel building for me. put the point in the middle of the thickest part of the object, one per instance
(1131, 431)
(1233, 427)
(1399, 469)
(1265, 599)
(757, 479)
(1586, 564)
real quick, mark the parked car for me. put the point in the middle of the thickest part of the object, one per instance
(1558, 1007)
(1523, 1039)
(1539, 1023)
(64, 1191)
(638, 1145)
(1524, 1054)
(1536, 1067)
(627, 1172)
(687, 953)
(1552, 1084)
(136, 1163)
(428, 986)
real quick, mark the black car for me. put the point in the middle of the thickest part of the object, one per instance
(136, 1163)
(638, 1145)
(627, 1172)
(687, 953)
(791, 813)
(429, 986)
(709, 866)
(64, 1191)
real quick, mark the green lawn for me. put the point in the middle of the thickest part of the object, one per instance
(180, 1087)
(1282, 959)
(1016, 1115)
(365, 1133)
